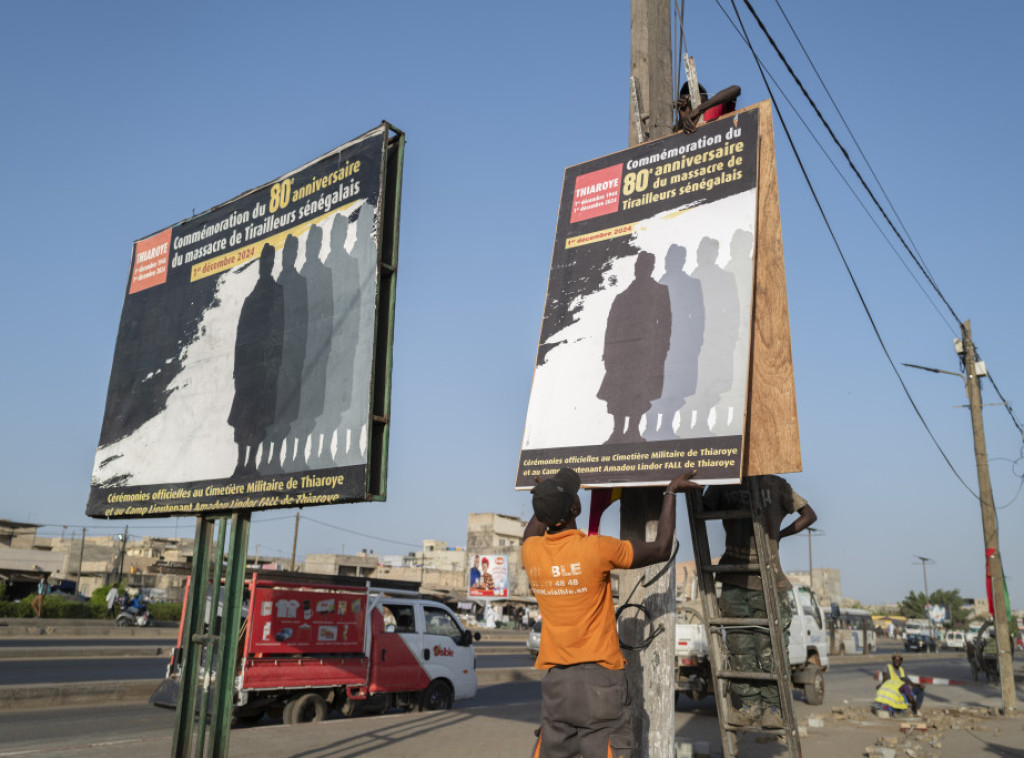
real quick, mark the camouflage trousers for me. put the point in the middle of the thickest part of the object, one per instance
(751, 649)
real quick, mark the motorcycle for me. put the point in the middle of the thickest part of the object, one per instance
(134, 615)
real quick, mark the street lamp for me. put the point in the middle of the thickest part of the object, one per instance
(810, 557)
(924, 569)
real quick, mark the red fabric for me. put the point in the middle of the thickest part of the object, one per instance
(989, 552)
(600, 501)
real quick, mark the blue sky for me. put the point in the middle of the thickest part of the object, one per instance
(122, 119)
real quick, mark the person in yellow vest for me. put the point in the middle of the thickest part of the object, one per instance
(895, 694)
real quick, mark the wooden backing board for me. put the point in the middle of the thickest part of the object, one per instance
(772, 440)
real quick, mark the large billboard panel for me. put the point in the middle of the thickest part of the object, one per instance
(644, 349)
(253, 353)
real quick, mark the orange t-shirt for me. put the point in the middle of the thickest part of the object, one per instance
(569, 573)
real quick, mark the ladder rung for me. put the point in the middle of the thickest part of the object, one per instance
(728, 621)
(722, 515)
(733, 568)
(760, 676)
(755, 728)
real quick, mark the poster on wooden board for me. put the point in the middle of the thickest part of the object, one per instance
(643, 363)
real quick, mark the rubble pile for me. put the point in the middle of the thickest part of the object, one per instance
(922, 737)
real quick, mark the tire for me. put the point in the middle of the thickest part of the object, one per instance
(436, 697)
(814, 691)
(121, 621)
(308, 708)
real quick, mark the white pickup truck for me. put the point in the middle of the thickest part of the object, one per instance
(808, 649)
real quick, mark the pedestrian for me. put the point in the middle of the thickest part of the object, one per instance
(896, 693)
(111, 601)
(585, 704)
(42, 590)
(750, 649)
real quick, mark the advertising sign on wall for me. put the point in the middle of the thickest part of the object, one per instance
(245, 371)
(644, 349)
(488, 576)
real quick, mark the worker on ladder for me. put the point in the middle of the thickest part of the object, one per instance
(750, 649)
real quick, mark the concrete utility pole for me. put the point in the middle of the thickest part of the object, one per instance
(650, 673)
(989, 525)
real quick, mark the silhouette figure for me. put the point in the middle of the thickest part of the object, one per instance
(636, 343)
(687, 300)
(293, 356)
(319, 325)
(258, 347)
(345, 338)
(721, 332)
(741, 265)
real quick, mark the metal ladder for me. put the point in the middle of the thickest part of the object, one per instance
(715, 626)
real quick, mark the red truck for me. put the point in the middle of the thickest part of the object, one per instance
(307, 648)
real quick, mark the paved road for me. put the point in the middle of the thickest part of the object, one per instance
(499, 721)
(58, 642)
(28, 670)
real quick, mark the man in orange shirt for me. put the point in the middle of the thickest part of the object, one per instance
(585, 710)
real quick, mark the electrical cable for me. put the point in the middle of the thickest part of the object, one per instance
(646, 642)
(846, 264)
(828, 128)
(842, 149)
(844, 180)
(360, 534)
(849, 131)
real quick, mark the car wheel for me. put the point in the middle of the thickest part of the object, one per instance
(308, 708)
(436, 697)
(814, 691)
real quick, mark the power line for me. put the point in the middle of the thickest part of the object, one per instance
(846, 265)
(913, 255)
(361, 534)
(843, 150)
(842, 177)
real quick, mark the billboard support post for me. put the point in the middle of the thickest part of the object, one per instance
(210, 637)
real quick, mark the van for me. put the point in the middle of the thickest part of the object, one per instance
(955, 640)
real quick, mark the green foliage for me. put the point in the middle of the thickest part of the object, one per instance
(11, 609)
(3, 591)
(165, 611)
(912, 606)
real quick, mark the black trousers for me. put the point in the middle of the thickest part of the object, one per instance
(585, 712)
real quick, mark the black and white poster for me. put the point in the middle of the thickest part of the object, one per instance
(242, 369)
(644, 348)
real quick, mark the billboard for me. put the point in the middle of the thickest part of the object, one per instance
(488, 576)
(644, 352)
(251, 366)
